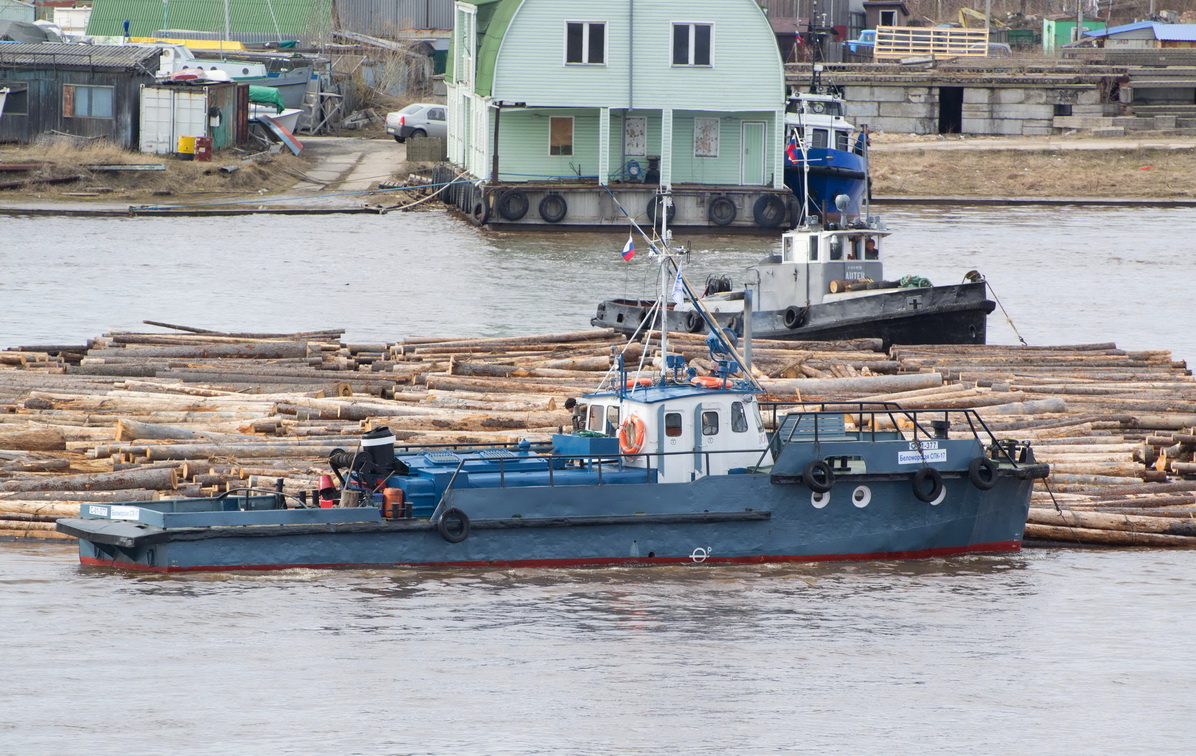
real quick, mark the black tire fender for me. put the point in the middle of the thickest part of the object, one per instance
(934, 478)
(553, 208)
(795, 317)
(480, 213)
(721, 211)
(453, 525)
(818, 476)
(694, 321)
(769, 211)
(513, 204)
(652, 210)
(982, 473)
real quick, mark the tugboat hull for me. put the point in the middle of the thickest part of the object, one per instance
(635, 524)
(955, 314)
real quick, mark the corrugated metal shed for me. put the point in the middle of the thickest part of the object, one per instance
(63, 55)
(386, 18)
(1162, 32)
(288, 19)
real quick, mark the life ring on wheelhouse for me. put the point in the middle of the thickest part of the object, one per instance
(710, 381)
(632, 434)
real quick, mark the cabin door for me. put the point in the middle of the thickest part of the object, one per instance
(675, 464)
(751, 150)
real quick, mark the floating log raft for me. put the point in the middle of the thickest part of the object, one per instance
(140, 416)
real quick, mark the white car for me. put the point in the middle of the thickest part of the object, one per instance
(419, 119)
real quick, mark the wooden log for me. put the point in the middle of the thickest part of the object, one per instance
(1105, 521)
(33, 439)
(1069, 534)
(19, 533)
(130, 430)
(154, 477)
(810, 387)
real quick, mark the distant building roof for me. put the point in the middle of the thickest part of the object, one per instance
(1162, 32)
(285, 19)
(64, 55)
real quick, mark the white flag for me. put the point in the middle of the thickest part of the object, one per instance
(678, 288)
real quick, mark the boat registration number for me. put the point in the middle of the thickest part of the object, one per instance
(920, 457)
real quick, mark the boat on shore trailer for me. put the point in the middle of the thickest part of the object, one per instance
(671, 469)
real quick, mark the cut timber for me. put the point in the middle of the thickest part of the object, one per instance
(158, 478)
(875, 384)
(44, 439)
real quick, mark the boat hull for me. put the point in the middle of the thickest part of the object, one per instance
(638, 524)
(955, 314)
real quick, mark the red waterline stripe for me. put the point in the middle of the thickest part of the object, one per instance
(994, 547)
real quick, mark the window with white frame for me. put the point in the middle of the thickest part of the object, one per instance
(635, 136)
(560, 135)
(79, 101)
(706, 132)
(465, 46)
(585, 42)
(693, 44)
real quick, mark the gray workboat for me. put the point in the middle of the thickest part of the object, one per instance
(827, 283)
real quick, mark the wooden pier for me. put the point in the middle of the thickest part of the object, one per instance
(141, 416)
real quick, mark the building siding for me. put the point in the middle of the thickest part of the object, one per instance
(530, 65)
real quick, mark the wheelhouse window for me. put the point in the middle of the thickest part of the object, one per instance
(612, 420)
(560, 135)
(709, 423)
(585, 42)
(79, 101)
(841, 140)
(692, 44)
(595, 421)
(739, 422)
(818, 139)
(672, 424)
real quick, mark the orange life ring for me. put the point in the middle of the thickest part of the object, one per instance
(631, 435)
(710, 381)
(633, 382)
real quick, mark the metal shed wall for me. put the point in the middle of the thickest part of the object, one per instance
(383, 18)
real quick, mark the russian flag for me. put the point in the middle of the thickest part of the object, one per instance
(629, 249)
(791, 151)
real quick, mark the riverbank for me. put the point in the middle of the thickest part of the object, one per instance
(339, 171)
(1149, 168)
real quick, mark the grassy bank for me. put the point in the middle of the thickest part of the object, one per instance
(70, 170)
(1140, 173)
(912, 171)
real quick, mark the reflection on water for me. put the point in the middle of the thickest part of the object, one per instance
(1065, 275)
(1044, 651)
(1064, 650)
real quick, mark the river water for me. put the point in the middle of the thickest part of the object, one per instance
(1044, 651)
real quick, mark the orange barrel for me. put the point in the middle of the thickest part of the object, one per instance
(393, 506)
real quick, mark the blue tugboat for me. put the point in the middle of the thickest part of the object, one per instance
(668, 469)
(825, 156)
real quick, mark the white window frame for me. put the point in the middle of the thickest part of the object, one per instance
(585, 43)
(692, 34)
(629, 146)
(707, 135)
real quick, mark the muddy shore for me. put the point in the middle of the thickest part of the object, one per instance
(1152, 167)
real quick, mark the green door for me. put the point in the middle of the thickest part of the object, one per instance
(751, 153)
